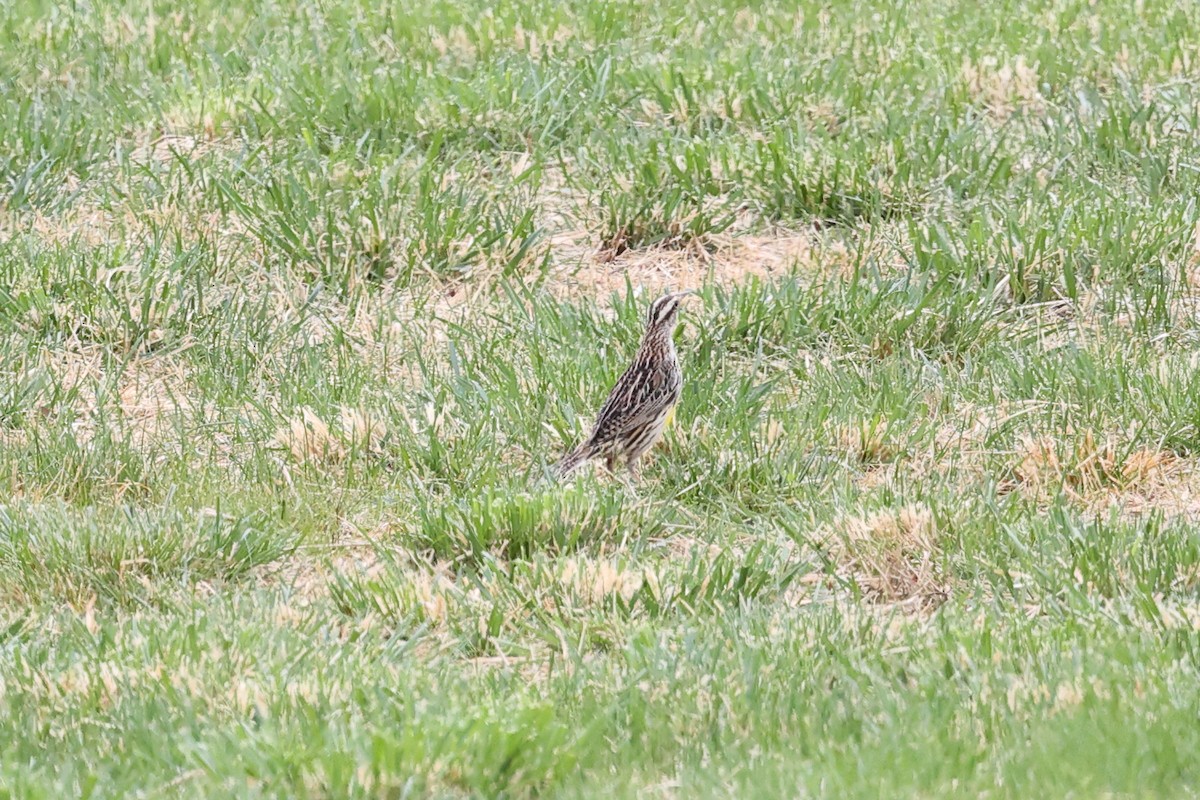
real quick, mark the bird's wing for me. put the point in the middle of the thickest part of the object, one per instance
(640, 395)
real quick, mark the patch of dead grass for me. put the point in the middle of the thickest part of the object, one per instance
(151, 399)
(1105, 476)
(964, 437)
(1171, 489)
(594, 581)
(1178, 614)
(892, 555)
(144, 397)
(168, 147)
(579, 271)
(867, 442)
(1003, 88)
(311, 440)
(1088, 465)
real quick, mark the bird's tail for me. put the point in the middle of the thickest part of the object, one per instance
(572, 461)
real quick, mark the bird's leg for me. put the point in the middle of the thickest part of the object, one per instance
(610, 463)
(628, 476)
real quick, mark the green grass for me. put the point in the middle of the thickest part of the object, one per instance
(298, 300)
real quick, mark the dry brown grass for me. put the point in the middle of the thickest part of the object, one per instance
(1171, 490)
(1177, 614)
(151, 400)
(891, 555)
(1003, 88)
(580, 271)
(867, 442)
(144, 397)
(593, 581)
(309, 439)
(1086, 465)
(1105, 476)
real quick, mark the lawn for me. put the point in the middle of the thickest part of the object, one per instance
(298, 298)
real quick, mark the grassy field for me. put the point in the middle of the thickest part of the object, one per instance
(297, 300)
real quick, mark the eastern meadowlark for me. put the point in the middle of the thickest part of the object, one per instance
(640, 405)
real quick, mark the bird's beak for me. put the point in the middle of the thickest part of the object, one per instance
(686, 293)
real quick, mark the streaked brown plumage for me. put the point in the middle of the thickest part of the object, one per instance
(636, 411)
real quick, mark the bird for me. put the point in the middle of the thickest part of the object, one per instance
(643, 400)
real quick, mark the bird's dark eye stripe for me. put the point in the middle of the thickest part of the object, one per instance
(663, 308)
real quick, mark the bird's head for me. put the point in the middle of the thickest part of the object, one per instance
(664, 312)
